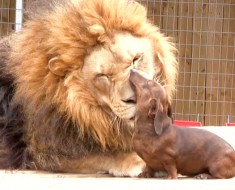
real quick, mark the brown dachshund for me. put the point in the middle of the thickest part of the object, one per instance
(166, 147)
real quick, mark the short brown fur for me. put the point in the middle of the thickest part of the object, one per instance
(166, 147)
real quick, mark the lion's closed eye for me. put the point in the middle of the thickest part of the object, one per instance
(138, 57)
(102, 83)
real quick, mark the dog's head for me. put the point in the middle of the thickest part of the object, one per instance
(152, 101)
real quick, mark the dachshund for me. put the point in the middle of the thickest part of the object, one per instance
(166, 147)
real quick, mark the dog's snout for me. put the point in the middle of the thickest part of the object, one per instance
(132, 75)
(135, 77)
(132, 72)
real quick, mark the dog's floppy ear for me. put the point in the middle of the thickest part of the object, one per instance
(159, 119)
(169, 112)
(156, 112)
(152, 110)
(162, 118)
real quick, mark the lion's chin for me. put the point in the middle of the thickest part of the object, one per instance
(130, 122)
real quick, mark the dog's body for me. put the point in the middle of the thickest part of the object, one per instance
(166, 147)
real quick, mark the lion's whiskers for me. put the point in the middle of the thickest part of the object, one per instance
(166, 85)
(114, 122)
(117, 123)
(159, 78)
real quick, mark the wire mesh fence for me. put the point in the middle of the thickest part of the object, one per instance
(204, 31)
(11, 16)
(7, 16)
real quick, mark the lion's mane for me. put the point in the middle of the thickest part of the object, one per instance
(51, 122)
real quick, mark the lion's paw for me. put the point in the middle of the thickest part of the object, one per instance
(129, 165)
(133, 170)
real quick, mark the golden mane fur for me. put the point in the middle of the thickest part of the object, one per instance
(69, 32)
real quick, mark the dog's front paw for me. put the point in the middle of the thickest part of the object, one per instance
(203, 176)
(145, 174)
(160, 174)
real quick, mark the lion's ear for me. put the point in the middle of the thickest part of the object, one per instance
(57, 66)
(96, 29)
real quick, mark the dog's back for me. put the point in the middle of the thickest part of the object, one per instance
(199, 150)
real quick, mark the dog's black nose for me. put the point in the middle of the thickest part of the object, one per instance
(136, 78)
(133, 72)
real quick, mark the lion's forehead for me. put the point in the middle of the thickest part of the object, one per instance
(119, 55)
(127, 46)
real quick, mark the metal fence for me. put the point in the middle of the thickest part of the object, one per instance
(10, 16)
(204, 31)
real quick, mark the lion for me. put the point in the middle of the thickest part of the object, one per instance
(66, 101)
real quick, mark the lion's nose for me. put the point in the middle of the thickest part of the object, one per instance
(131, 99)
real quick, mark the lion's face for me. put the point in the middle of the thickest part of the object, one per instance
(78, 66)
(107, 68)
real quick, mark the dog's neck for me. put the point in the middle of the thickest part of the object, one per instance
(144, 126)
